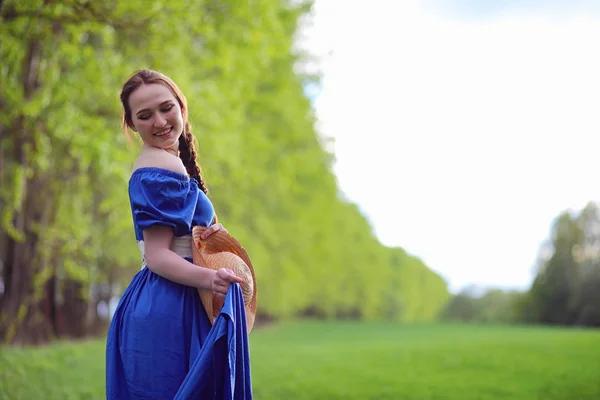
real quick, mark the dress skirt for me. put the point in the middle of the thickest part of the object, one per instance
(161, 345)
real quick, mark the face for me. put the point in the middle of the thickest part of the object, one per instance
(156, 115)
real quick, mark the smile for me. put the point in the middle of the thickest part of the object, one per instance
(164, 132)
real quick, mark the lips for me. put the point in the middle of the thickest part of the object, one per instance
(163, 132)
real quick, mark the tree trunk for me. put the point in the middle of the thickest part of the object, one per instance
(74, 308)
(24, 317)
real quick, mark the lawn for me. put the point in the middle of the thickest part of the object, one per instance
(350, 360)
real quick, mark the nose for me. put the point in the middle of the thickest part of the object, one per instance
(159, 121)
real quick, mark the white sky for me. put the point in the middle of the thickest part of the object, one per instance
(461, 135)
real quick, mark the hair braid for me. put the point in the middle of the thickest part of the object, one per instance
(187, 153)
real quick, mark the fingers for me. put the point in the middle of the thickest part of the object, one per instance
(209, 231)
(220, 290)
(232, 277)
(223, 278)
(235, 278)
(226, 274)
(220, 296)
(212, 229)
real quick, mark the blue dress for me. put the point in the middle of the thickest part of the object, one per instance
(160, 343)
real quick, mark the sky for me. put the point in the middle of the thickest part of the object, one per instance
(461, 130)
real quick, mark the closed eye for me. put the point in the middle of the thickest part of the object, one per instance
(166, 108)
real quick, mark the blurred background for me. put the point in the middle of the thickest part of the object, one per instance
(415, 182)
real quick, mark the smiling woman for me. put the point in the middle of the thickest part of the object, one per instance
(161, 343)
(157, 120)
(155, 108)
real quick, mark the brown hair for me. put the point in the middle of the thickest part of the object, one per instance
(187, 150)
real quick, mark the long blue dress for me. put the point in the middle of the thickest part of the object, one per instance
(160, 343)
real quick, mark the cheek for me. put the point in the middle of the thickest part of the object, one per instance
(175, 116)
(141, 126)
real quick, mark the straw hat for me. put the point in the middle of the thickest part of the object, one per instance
(221, 250)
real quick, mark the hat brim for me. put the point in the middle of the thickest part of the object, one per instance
(206, 254)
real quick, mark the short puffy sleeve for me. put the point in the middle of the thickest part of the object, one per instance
(162, 197)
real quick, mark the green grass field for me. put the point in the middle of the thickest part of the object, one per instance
(350, 360)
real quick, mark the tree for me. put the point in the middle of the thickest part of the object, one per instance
(565, 290)
(66, 237)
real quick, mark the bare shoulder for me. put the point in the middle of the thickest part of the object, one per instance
(157, 158)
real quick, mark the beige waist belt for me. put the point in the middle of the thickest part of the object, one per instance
(181, 245)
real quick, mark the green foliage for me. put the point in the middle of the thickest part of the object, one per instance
(270, 178)
(493, 306)
(349, 360)
(565, 290)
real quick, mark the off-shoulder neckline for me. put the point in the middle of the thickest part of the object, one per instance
(163, 171)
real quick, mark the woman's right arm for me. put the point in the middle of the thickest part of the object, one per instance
(164, 262)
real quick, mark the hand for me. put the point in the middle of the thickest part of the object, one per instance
(212, 229)
(221, 281)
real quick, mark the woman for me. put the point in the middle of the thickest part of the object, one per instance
(160, 328)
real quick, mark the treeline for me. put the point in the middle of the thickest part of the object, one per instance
(66, 238)
(566, 288)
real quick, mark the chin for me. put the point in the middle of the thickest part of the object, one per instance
(171, 142)
(168, 145)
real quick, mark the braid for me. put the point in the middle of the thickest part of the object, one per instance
(187, 153)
